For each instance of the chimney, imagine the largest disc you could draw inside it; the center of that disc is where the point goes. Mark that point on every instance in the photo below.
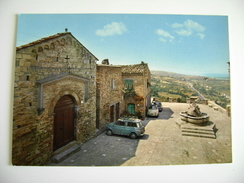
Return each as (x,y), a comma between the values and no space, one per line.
(105,62)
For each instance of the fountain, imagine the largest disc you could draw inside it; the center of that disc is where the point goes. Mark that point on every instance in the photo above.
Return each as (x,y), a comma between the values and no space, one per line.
(195,123)
(194,115)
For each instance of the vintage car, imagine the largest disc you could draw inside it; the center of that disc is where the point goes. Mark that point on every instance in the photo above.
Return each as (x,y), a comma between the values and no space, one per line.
(131,127)
(159,104)
(153,111)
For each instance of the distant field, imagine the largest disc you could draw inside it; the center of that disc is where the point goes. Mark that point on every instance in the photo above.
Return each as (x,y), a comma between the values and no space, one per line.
(165,94)
(167,85)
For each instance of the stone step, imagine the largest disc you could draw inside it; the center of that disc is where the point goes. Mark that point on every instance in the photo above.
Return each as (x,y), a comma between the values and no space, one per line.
(198,131)
(199,135)
(197,128)
(66,153)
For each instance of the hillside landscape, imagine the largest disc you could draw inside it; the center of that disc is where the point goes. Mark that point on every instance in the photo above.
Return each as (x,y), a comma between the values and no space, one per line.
(178,87)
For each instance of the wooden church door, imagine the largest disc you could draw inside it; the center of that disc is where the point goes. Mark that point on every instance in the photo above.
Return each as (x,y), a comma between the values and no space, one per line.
(64,122)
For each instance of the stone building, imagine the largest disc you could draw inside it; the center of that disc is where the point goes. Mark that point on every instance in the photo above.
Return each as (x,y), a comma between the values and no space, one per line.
(110,85)
(54,97)
(122,90)
(137,88)
(62,97)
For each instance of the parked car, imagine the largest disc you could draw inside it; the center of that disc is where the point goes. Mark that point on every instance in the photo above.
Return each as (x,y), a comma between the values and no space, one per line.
(131,127)
(159,104)
(153,111)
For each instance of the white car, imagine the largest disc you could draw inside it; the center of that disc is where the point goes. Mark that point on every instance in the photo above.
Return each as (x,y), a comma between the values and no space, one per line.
(153,111)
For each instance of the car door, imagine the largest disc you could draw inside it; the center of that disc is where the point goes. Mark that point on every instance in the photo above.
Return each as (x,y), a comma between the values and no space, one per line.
(119,128)
(129,128)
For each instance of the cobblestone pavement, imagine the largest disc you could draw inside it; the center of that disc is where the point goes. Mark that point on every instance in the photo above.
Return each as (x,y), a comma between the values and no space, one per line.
(162,144)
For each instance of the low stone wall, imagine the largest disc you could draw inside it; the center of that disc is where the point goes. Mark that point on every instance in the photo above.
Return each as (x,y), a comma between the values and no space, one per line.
(216,107)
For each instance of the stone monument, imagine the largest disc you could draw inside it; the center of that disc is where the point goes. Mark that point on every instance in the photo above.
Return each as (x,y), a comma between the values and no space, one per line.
(196,123)
(194,114)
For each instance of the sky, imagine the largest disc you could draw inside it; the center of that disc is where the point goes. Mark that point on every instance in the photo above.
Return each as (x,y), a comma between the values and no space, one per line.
(186,44)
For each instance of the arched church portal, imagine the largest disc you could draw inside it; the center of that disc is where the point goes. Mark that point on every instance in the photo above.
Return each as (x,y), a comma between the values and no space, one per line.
(64,121)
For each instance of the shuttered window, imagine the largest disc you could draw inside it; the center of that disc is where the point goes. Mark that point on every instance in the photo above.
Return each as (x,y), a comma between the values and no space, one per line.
(129,84)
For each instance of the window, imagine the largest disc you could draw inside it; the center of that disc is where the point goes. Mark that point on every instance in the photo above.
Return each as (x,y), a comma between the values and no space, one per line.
(129,84)
(148,84)
(57,58)
(112,84)
(121,123)
(139,125)
(131,124)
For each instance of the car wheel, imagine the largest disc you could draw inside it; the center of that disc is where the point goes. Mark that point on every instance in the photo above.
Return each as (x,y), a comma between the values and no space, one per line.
(133,136)
(109,132)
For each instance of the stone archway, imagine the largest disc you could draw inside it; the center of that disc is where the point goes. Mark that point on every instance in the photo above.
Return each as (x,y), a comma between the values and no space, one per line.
(64,121)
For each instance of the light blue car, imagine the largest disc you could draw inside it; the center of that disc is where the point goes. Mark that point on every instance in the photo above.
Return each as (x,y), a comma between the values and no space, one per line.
(127,126)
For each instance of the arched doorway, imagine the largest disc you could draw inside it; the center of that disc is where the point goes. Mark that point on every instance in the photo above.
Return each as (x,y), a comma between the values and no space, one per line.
(64,117)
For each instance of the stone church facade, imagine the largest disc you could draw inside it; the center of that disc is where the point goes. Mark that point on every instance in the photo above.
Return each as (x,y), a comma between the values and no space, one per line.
(62,96)
(54,97)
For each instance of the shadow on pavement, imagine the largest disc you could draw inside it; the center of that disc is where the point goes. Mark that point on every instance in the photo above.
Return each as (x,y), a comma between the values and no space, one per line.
(166,113)
(103,150)
(106,150)
(144,137)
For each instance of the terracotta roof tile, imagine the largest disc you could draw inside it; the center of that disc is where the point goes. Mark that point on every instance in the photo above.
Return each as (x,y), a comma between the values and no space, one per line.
(137,68)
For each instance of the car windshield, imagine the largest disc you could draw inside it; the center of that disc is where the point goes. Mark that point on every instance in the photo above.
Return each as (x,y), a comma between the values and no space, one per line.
(158,104)
(139,124)
(154,107)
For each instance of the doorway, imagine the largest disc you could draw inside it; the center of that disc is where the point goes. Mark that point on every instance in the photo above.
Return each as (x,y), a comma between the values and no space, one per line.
(131,108)
(112,113)
(64,118)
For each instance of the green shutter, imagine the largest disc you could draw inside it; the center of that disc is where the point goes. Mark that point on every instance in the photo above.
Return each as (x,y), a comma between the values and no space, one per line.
(129,84)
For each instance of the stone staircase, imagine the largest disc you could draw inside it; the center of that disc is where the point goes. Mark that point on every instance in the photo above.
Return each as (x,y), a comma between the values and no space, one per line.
(207,130)
(64,152)
(198,132)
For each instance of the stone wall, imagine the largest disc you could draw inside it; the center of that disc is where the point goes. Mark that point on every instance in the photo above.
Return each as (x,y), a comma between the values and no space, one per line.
(141,76)
(109,93)
(45,71)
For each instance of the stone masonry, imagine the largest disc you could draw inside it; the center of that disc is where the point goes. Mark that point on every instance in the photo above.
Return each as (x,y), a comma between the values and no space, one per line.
(45,71)
(140,96)
(61,96)
(113,98)
(109,94)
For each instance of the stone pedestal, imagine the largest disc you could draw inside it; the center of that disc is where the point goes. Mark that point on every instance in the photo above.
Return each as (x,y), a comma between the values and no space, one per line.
(205,130)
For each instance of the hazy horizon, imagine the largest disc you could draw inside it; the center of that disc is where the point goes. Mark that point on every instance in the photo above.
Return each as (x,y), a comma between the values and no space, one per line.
(211,75)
